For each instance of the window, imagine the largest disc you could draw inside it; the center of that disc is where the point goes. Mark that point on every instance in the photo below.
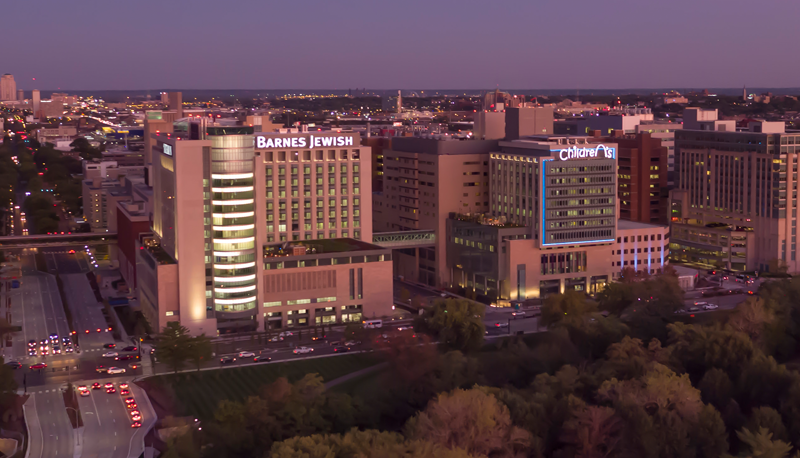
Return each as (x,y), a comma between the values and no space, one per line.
(298,301)
(272,304)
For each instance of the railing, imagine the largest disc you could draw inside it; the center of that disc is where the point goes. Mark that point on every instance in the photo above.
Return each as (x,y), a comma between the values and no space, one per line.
(404,239)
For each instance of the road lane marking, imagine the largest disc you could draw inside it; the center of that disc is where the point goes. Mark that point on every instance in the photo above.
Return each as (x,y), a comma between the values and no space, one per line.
(99,423)
(41,431)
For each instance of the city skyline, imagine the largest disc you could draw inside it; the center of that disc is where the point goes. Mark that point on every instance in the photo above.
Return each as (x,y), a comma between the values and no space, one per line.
(420,45)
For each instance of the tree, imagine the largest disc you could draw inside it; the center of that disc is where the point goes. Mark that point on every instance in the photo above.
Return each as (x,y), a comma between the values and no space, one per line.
(173,345)
(570,309)
(751,317)
(458,323)
(716,388)
(363,444)
(199,350)
(592,431)
(769,418)
(699,348)
(762,445)
(472,420)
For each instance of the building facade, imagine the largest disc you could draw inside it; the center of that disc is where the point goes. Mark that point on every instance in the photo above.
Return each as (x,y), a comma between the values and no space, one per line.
(643,186)
(8,88)
(258,227)
(735,202)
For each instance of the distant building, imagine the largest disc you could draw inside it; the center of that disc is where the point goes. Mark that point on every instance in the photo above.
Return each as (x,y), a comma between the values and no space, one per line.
(55,134)
(20,95)
(36,100)
(8,88)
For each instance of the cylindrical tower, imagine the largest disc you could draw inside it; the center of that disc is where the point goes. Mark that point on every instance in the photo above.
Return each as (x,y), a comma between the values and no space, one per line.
(233,222)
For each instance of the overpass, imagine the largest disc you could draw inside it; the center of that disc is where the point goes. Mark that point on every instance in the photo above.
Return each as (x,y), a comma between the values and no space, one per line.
(404,239)
(44,240)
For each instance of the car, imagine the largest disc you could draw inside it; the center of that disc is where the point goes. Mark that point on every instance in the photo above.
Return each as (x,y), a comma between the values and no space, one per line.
(56,350)
(300,350)
(131,406)
(694,309)
(84,393)
(54,338)
(43,342)
(136,424)
(111,345)
(134,365)
(351,343)
(246,354)
(110,354)
(341,349)
(124,392)
(71,251)
(130,348)
(66,340)
(37,366)
(44,351)
(125,357)
(136,417)
(261,359)
(14,364)
(276,339)
(108,385)
(316,338)
(130,401)
(701,303)
(95,386)
(82,388)
(227,360)
(123,386)
(100,369)
(286,334)
(679,311)
(501,324)
(710,307)
(116,370)
(134,412)
(32,352)
(518,314)
(69,349)
(403,328)
(31,344)
(111,390)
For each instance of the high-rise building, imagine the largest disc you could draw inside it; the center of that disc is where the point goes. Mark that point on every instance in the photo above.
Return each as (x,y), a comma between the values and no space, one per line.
(424,180)
(20,95)
(552,226)
(255,230)
(735,201)
(176,103)
(36,102)
(643,178)
(8,88)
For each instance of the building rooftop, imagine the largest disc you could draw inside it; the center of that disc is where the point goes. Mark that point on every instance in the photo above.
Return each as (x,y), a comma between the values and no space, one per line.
(485,220)
(322,246)
(625,224)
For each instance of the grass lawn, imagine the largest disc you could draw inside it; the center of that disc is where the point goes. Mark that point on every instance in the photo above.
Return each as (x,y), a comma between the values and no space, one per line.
(199,393)
(366,387)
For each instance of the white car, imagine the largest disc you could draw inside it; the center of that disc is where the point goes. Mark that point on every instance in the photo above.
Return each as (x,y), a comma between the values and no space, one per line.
(710,307)
(350,343)
(299,350)
(111,354)
(276,339)
(116,370)
(246,354)
(285,334)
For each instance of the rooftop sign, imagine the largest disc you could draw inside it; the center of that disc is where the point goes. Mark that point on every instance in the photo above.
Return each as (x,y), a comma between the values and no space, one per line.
(575,152)
(306,141)
(167,149)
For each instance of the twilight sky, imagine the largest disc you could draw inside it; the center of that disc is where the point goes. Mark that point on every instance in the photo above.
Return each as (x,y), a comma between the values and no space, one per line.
(409,44)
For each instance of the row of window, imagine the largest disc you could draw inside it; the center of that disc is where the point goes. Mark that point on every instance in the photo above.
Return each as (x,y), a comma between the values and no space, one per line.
(326,262)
